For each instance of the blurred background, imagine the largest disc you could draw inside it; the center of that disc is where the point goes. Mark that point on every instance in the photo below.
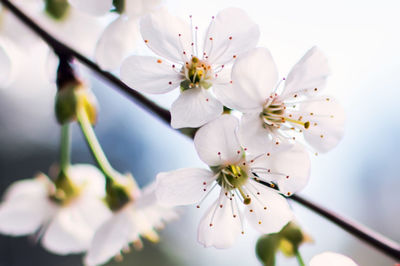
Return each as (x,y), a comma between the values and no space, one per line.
(358,179)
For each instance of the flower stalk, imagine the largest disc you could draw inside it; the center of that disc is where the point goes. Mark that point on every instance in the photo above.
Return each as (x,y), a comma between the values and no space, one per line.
(299,258)
(380,242)
(92,141)
(65,150)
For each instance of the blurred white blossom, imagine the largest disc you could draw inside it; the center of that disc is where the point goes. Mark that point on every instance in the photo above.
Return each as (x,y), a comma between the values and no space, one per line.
(331,259)
(137,218)
(64,226)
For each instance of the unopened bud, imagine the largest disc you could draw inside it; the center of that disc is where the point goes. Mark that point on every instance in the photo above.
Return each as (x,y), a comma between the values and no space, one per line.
(71,98)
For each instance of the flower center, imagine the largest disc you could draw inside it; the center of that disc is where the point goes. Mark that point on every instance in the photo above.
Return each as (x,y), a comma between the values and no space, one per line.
(274,114)
(197,73)
(233,177)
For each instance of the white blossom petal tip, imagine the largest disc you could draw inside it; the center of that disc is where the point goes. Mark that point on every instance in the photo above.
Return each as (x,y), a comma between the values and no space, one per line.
(194,108)
(331,259)
(183,186)
(149,74)
(217,143)
(93,7)
(116,42)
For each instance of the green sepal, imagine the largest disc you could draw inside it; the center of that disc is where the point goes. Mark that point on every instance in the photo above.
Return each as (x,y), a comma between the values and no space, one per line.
(119,6)
(117,196)
(292,237)
(186,84)
(57,9)
(227,110)
(72,97)
(65,189)
(266,249)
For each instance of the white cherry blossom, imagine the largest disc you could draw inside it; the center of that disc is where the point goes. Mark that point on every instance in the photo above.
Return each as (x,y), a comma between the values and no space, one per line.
(32,206)
(331,259)
(183,62)
(250,186)
(137,218)
(274,116)
(121,35)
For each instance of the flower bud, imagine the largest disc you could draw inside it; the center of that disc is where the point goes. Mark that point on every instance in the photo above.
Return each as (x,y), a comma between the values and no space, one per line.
(70,98)
(57,9)
(288,241)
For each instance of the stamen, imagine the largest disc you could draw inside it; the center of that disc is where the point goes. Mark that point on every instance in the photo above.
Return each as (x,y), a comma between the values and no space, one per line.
(246,198)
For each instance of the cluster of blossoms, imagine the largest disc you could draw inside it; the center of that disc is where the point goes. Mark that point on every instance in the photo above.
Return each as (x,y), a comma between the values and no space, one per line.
(73,214)
(256,160)
(257,154)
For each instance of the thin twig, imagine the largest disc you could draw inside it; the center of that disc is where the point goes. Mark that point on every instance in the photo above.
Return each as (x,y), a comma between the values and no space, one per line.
(380,242)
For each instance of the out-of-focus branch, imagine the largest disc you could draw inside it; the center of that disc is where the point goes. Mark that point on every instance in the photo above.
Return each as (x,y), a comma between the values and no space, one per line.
(380,242)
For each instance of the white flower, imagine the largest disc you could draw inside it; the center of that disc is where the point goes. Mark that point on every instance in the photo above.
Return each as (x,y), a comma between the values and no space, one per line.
(137,218)
(249,184)
(65,227)
(121,35)
(331,259)
(274,117)
(230,33)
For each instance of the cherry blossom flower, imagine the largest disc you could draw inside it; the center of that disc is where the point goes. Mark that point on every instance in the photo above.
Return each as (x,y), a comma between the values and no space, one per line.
(331,259)
(277,116)
(230,33)
(137,218)
(249,184)
(65,219)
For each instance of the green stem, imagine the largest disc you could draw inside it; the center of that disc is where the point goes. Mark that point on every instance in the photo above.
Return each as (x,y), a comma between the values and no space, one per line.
(65,149)
(299,258)
(94,144)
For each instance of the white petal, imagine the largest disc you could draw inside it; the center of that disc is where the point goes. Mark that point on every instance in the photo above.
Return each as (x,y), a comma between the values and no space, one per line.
(216,143)
(116,42)
(89,177)
(218,227)
(160,31)
(72,228)
(139,7)
(195,107)
(111,238)
(26,207)
(149,74)
(289,168)
(268,211)
(253,136)
(254,75)
(35,187)
(10,58)
(93,7)
(232,32)
(309,73)
(326,124)
(183,186)
(155,213)
(331,259)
